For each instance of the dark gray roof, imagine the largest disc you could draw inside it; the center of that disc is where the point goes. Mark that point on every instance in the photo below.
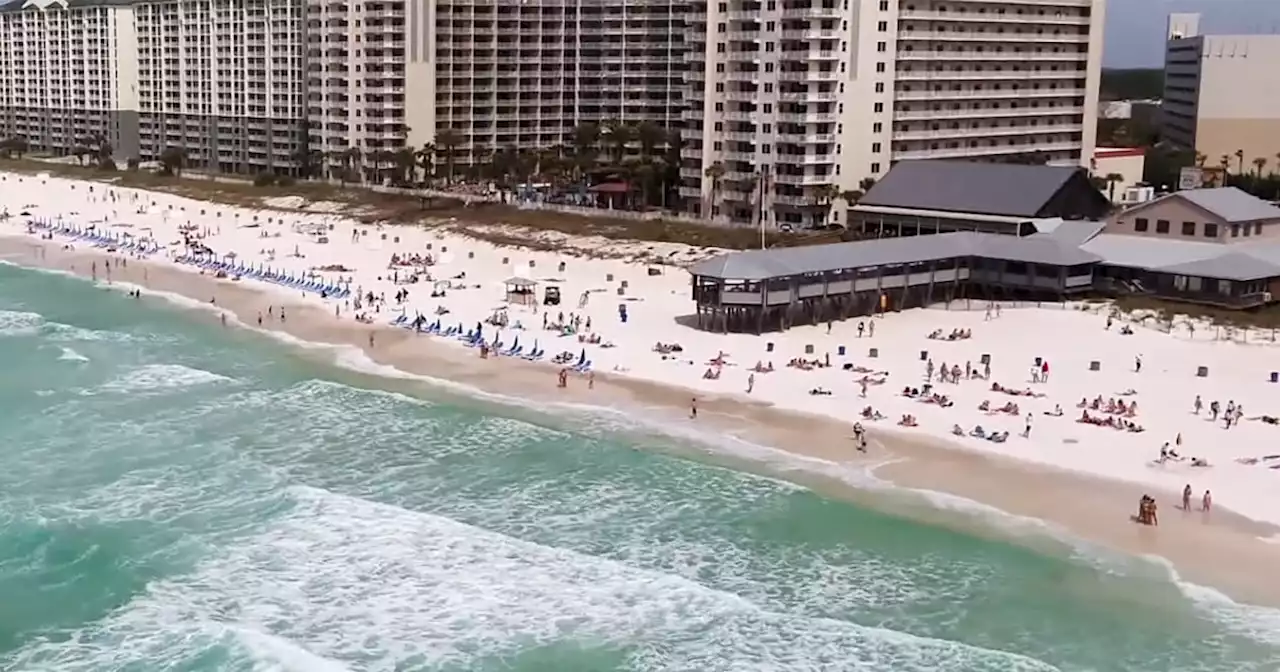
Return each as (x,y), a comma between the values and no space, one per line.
(1007,189)
(785,261)
(1230,204)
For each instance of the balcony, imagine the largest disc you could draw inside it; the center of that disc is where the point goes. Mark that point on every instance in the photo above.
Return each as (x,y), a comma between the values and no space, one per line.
(973,36)
(957,152)
(989,17)
(989,131)
(996,56)
(987,113)
(988,93)
(809,97)
(986,75)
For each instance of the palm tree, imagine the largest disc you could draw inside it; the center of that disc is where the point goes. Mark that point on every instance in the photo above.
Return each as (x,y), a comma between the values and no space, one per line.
(1200,159)
(1240,160)
(866,184)
(715,172)
(426,160)
(355,163)
(1111,179)
(650,136)
(619,134)
(406,163)
(447,143)
(851,196)
(1224,162)
(1258,164)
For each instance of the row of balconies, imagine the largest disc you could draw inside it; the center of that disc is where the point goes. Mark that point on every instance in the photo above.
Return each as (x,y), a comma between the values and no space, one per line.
(976,93)
(987,112)
(990,55)
(985,132)
(923,152)
(913,33)
(995,17)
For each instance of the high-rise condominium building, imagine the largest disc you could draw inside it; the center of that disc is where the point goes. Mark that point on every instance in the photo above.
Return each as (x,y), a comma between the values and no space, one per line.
(1222,95)
(222,80)
(792,101)
(390,73)
(68,74)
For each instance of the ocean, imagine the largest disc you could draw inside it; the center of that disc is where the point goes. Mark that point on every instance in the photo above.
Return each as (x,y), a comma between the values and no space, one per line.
(179,496)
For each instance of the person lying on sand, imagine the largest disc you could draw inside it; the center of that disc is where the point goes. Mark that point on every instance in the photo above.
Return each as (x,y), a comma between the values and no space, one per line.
(1056,412)
(820,392)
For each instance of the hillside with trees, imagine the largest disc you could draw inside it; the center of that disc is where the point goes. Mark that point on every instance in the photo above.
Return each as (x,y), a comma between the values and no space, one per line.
(1131,83)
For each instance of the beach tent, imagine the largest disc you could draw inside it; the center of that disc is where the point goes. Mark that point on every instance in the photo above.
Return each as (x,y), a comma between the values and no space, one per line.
(521,290)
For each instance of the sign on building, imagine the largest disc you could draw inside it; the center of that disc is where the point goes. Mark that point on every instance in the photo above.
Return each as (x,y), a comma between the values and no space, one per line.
(1191,177)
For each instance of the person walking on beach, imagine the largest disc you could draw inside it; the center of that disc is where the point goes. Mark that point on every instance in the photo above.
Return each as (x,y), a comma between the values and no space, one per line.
(1207,502)
(751,382)
(1198,404)
(1026,433)
(1137,364)
(1213,410)
(1186,498)
(871,329)
(861,327)
(1044,371)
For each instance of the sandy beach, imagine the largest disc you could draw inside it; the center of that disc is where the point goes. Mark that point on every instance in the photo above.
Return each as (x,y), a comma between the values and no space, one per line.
(1082,480)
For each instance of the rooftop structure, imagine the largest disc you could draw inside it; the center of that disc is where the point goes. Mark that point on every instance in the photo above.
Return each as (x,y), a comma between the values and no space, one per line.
(1222,95)
(1217,215)
(789,103)
(937,196)
(760,289)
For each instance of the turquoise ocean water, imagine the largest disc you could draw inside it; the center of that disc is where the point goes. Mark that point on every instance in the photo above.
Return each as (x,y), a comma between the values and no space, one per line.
(177,496)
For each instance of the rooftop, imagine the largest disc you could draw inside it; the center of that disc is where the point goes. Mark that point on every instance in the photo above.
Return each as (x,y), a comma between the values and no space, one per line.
(1229,204)
(1069,244)
(786,261)
(1004,189)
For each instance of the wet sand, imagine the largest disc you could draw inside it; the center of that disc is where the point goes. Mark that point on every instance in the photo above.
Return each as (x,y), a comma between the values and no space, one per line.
(1222,549)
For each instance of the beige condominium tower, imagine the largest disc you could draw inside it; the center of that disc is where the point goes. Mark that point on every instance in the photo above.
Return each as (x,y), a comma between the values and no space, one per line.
(792,102)
(1222,95)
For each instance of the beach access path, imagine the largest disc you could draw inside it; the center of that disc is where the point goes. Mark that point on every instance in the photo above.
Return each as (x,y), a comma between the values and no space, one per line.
(1065,474)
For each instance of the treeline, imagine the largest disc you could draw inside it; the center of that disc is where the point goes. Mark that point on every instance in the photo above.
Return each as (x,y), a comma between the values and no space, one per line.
(1131,83)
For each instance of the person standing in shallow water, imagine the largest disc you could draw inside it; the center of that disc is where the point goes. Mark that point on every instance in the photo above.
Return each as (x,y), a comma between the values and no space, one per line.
(693,408)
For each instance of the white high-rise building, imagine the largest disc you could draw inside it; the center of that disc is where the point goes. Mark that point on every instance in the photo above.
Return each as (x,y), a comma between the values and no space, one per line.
(222,80)
(68,72)
(796,101)
(385,74)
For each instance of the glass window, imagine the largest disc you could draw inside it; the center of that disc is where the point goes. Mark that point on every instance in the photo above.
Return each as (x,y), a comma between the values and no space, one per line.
(1162,226)
(1140,224)
(1235,230)
(1257,228)
(1188,228)
(1210,230)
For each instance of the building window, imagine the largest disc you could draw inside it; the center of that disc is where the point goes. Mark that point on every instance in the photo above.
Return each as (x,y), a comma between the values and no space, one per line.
(1140,224)
(1188,228)
(879,87)
(1162,226)
(875,148)
(879,107)
(1257,229)
(1247,230)
(1235,230)
(879,67)
(875,169)
(1210,230)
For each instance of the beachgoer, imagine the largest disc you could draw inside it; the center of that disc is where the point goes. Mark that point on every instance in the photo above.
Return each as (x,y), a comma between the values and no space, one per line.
(751,382)
(1198,404)
(591,380)
(1207,502)
(1026,433)
(1137,364)
(1186,498)
(693,408)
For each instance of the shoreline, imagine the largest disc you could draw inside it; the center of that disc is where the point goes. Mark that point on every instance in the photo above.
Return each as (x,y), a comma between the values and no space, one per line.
(1086,507)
